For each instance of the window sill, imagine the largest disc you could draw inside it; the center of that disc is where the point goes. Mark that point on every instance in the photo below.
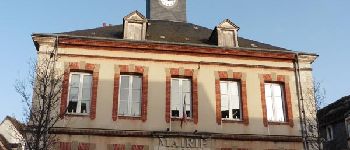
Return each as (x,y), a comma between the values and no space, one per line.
(278,123)
(180,119)
(232,121)
(77,115)
(130,117)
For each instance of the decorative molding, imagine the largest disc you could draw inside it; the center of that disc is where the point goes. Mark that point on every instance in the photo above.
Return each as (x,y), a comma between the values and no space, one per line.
(170,48)
(115,58)
(157,134)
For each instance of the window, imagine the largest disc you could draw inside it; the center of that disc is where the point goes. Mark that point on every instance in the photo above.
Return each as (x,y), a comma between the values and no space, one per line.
(329,131)
(230,100)
(79,96)
(348,127)
(130,95)
(275,105)
(181,98)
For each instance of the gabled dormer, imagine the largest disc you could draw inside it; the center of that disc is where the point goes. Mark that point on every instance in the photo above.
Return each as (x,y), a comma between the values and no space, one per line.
(225,34)
(135,25)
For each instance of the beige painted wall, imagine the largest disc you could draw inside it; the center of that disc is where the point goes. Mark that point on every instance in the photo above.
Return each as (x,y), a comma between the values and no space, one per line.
(156,92)
(153,143)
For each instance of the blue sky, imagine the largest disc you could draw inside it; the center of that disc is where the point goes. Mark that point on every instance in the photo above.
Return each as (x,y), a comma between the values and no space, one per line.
(317,26)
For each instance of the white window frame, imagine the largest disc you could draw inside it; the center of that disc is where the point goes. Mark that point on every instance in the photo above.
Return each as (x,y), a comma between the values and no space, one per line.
(231,97)
(329,132)
(273,100)
(80,92)
(130,96)
(181,95)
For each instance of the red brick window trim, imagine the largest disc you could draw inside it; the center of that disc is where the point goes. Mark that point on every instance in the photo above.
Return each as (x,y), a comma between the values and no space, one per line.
(65,146)
(137,147)
(116,147)
(284,81)
(136,70)
(231,76)
(183,73)
(76,146)
(79,67)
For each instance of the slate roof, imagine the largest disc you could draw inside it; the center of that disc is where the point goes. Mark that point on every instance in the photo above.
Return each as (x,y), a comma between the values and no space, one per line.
(169,31)
(334,112)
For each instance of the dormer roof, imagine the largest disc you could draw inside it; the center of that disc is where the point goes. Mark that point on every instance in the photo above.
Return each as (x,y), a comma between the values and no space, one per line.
(135,16)
(228,24)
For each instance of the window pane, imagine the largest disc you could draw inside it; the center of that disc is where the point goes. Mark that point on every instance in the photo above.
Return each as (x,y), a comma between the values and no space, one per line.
(236,114)
(87,83)
(136,109)
(124,82)
(225,114)
(234,95)
(223,87)
(277,90)
(75,80)
(136,82)
(175,86)
(234,88)
(136,95)
(123,108)
(278,109)
(267,89)
(188,104)
(186,85)
(85,107)
(72,107)
(224,102)
(73,94)
(176,106)
(269,108)
(74,87)
(124,94)
(235,102)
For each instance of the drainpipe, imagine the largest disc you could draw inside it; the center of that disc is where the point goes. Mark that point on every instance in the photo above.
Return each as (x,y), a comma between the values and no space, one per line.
(300,102)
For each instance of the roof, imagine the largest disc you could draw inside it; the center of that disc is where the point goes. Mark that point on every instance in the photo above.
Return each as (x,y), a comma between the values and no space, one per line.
(18,125)
(169,31)
(334,112)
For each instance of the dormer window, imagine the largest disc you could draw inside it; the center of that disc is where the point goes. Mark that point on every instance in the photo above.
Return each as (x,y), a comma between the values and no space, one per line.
(225,34)
(135,26)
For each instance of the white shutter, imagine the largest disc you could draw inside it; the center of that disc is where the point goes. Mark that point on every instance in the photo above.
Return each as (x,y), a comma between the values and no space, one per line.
(175,96)
(274,102)
(278,103)
(136,96)
(269,103)
(234,92)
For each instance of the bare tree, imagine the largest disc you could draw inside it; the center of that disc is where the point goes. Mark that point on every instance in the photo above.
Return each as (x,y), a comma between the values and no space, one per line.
(314,100)
(41,94)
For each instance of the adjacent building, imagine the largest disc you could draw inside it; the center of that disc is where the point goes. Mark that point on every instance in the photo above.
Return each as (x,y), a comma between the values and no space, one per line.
(334,124)
(11,137)
(158,82)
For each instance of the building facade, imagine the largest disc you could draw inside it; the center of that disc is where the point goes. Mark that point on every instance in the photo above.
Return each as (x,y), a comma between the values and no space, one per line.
(335,124)
(158,82)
